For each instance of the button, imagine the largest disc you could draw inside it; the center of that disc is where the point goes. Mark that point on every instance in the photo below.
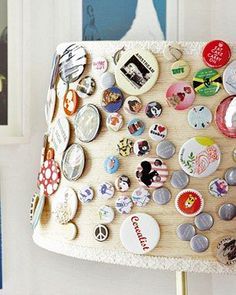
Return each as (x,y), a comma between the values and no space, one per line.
(173,52)
(152,172)
(50,154)
(33,205)
(49,177)
(225,116)
(185,231)
(43,151)
(61,135)
(107,80)
(85,194)
(64,205)
(73,162)
(180,96)
(227,211)
(37,209)
(112,99)
(180,69)
(61,88)
(141,147)
(199,243)
(50,105)
(229,78)
(106,214)
(161,196)
(86,87)
(117,55)
(132,105)
(225,251)
(153,109)
(70,102)
(189,202)
(199,156)
(72,63)
(234,155)
(139,233)
(204,221)
(179,179)
(87,123)
(230,176)
(106,190)
(54,70)
(125,147)
(157,132)
(124,204)
(136,127)
(199,117)
(218,187)
(216,54)
(165,149)
(122,183)
(141,197)
(207,82)
(70,231)
(114,121)
(101,233)
(136,71)
(99,65)
(111,164)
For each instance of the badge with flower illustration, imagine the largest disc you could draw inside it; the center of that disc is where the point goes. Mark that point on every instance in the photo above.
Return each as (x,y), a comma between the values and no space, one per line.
(199,156)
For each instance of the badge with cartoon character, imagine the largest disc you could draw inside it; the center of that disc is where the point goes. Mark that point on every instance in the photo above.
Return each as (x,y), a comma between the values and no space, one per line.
(141,147)
(122,183)
(152,173)
(153,109)
(125,147)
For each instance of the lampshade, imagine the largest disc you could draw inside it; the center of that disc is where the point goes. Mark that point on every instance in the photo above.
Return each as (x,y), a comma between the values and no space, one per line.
(131,152)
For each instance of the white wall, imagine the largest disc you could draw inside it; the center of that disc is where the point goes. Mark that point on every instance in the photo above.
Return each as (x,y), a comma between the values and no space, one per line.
(30,270)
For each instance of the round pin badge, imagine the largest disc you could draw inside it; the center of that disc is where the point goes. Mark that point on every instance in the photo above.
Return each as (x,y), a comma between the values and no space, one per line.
(136,127)
(124,204)
(218,187)
(199,243)
(85,194)
(69,231)
(64,205)
(49,177)
(225,250)
(86,87)
(161,196)
(107,80)
(207,82)
(180,69)
(199,117)
(180,96)
(61,135)
(204,221)
(136,71)
(179,179)
(225,116)
(216,54)
(99,65)
(54,70)
(50,105)
(140,197)
(185,231)
(106,214)
(189,203)
(111,164)
(106,190)
(114,121)
(229,78)
(132,105)
(227,211)
(112,99)
(122,183)
(101,232)
(141,147)
(230,176)
(61,88)
(165,149)
(87,123)
(38,210)
(157,132)
(125,147)
(72,63)
(152,173)
(199,156)
(70,102)
(173,52)
(33,205)
(73,162)
(139,233)
(153,109)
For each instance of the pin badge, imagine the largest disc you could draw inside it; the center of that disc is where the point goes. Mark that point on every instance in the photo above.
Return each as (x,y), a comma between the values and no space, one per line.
(111,164)
(141,147)
(70,102)
(85,194)
(122,183)
(153,109)
(125,147)
(157,132)
(136,127)
(99,65)
(218,187)
(114,121)
(133,105)
(141,197)
(124,204)
(61,135)
(106,190)
(199,117)
(86,87)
